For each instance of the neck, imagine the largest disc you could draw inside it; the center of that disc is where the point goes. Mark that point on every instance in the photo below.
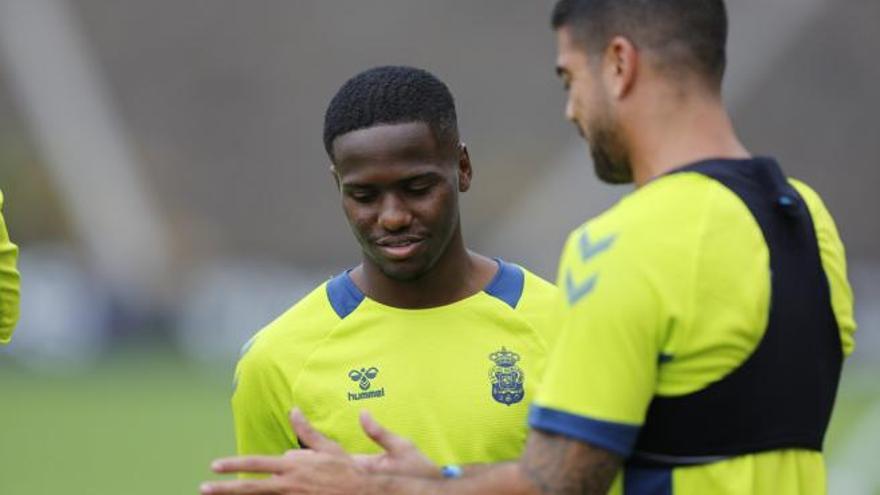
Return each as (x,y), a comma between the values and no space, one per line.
(456,275)
(688,129)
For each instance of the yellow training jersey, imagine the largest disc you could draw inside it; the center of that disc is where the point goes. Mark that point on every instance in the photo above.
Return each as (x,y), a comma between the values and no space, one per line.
(9,282)
(455,379)
(668,292)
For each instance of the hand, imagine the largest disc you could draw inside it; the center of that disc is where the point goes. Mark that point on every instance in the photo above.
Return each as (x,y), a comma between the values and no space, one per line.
(324,468)
(401,456)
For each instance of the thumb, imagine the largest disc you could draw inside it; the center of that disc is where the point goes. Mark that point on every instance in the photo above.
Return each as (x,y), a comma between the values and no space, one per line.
(309,436)
(382,436)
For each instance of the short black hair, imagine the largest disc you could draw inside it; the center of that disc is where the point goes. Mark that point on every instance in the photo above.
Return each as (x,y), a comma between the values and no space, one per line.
(687,34)
(392,94)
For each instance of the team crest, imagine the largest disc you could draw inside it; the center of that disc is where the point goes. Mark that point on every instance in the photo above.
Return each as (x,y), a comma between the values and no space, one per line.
(506,377)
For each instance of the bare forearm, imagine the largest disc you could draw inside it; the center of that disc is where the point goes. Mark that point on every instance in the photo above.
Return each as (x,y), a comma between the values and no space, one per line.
(556,465)
(551,465)
(483,479)
(471,470)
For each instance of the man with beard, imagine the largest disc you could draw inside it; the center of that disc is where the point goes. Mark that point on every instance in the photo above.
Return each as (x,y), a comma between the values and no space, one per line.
(684,366)
(411,332)
(9,282)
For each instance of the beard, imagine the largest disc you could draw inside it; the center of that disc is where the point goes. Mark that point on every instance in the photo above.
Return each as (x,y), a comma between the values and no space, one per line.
(609,153)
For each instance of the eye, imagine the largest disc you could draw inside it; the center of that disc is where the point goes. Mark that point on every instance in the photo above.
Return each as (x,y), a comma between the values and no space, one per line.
(362,195)
(418,189)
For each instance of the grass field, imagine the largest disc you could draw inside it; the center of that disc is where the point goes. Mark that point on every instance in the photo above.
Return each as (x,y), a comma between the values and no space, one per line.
(150,423)
(140,424)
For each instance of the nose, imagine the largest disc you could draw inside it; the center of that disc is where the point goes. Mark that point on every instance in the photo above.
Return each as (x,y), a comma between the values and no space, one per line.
(394,216)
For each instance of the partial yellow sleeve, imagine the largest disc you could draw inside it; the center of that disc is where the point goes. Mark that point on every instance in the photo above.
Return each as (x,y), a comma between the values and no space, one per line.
(833,257)
(9,282)
(260,407)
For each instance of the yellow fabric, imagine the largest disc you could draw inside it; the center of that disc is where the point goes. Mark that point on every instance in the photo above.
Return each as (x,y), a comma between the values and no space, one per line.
(783,472)
(9,282)
(432,369)
(679,298)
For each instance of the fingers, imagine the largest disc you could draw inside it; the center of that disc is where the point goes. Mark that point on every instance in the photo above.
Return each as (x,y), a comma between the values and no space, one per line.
(368,462)
(382,436)
(248,464)
(240,487)
(310,436)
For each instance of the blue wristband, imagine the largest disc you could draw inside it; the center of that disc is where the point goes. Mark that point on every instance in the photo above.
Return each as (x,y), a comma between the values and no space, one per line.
(451,471)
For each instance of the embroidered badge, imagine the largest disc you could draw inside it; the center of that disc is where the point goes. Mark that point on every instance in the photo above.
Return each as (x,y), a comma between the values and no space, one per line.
(506,377)
(364,377)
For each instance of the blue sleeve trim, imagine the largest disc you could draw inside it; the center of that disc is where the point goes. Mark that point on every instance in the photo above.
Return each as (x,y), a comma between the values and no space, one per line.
(344,296)
(615,437)
(507,284)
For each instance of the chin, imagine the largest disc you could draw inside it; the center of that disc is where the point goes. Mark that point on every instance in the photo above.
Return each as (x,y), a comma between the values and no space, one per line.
(403,271)
(614,177)
(610,171)
(408,269)
(402,275)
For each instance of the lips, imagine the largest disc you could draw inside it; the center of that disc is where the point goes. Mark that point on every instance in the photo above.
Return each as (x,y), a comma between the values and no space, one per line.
(399,248)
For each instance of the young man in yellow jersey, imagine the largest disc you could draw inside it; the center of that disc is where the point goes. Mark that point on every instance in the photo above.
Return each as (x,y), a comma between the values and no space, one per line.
(445,344)
(709,310)
(9,282)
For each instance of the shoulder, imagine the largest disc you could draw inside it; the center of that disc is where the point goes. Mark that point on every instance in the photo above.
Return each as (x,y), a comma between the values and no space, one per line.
(536,290)
(823,223)
(649,250)
(668,205)
(833,255)
(821,217)
(655,225)
(826,231)
(808,193)
(516,296)
(539,305)
(519,288)
(291,336)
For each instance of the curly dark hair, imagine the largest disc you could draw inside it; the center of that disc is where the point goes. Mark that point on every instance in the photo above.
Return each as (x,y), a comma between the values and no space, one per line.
(392,95)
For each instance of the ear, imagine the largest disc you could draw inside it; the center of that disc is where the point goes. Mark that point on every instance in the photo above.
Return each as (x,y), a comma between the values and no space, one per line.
(335,175)
(465,172)
(620,66)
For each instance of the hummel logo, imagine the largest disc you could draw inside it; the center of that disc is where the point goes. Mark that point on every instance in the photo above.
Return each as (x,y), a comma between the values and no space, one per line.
(363,378)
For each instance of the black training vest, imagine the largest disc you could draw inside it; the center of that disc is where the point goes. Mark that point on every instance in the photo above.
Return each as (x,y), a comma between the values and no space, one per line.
(781,396)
